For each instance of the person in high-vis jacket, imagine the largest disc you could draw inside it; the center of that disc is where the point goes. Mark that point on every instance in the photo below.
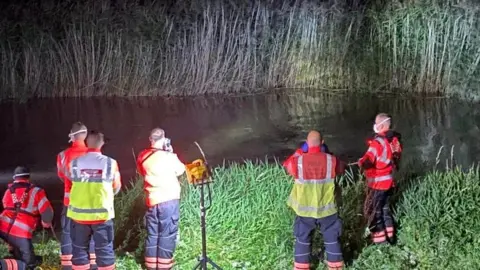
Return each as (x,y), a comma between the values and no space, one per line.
(24,204)
(95,181)
(379,163)
(160,168)
(304,149)
(313,200)
(77,136)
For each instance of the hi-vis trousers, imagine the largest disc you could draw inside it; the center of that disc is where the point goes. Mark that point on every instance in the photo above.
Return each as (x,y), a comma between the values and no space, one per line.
(102,235)
(303,229)
(66,244)
(381,225)
(161,221)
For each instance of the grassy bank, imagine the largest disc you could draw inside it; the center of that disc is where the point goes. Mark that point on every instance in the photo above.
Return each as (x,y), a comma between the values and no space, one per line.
(250,226)
(197,47)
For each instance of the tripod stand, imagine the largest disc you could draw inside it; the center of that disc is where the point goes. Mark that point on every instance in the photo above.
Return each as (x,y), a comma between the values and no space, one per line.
(203,260)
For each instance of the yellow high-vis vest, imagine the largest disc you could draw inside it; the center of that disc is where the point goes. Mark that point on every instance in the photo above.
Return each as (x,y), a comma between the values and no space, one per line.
(92,194)
(313,194)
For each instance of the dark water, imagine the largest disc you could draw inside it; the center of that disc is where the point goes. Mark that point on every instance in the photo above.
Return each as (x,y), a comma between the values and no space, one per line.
(232,128)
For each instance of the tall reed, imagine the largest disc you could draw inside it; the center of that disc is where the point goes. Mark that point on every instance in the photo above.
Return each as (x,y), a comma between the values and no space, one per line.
(197,47)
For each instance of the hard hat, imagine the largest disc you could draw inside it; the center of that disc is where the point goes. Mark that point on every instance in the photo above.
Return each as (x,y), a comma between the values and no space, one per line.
(21,171)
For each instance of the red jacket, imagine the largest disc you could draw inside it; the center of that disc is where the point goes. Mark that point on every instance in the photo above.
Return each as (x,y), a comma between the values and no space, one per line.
(291,163)
(64,158)
(35,205)
(379,163)
(290,160)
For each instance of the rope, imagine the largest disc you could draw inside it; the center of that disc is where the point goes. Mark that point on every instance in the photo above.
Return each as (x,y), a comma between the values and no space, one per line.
(53,233)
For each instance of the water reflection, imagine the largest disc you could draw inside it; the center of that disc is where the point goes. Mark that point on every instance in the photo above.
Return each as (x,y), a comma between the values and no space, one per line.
(233,128)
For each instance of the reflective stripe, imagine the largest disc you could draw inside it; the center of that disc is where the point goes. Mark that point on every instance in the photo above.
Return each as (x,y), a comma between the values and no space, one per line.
(300,266)
(31,208)
(328,177)
(17,223)
(300,168)
(66,195)
(335,264)
(42,202)
(74,169)
(372,150)
(384,157)
(380,178)
(304,208)
(107,177)
(62,159)
(86,210)
(62,167)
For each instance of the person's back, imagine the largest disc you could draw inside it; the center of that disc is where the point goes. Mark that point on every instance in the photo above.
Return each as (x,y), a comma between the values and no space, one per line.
(95,181)
(77,148)
(77,135)
(35,205)
(313,200)
(313,192)
(24,204)
(160,168)
(379,163)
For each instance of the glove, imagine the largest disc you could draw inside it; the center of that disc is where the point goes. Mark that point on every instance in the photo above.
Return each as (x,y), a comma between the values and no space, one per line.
(365,164)
(46,225)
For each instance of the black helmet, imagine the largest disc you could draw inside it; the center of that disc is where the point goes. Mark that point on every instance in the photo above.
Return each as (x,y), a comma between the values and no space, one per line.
(21,172)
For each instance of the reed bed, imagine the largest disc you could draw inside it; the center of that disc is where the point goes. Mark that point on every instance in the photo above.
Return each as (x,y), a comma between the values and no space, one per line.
(200,47)
(249,225)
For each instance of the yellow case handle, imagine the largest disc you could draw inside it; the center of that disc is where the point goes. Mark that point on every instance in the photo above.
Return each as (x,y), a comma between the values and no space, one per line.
(196,171)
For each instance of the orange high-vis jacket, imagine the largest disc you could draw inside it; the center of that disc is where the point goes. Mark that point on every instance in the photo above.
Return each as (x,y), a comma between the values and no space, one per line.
(36,205)
(160,170)
(64,158)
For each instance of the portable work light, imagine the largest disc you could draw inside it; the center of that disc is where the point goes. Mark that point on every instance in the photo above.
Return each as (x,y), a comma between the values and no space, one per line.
(199,175)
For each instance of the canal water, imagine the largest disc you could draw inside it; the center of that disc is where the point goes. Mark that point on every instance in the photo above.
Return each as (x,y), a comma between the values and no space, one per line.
(265,126)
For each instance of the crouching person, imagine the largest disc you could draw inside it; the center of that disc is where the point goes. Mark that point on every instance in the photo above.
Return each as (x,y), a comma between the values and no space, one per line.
(24,204)
(160,168)
(95,182)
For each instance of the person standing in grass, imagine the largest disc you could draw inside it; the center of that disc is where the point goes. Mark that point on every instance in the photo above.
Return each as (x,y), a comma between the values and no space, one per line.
(313,200)
(77,136)
(379,163)
(160,169)
(95,182)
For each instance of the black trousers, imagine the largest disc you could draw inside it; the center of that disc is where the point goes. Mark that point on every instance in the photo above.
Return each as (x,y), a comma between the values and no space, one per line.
(381,223)
(21,249)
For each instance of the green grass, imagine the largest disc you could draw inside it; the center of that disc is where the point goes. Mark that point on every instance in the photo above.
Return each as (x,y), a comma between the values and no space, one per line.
(198,47)
(250,226)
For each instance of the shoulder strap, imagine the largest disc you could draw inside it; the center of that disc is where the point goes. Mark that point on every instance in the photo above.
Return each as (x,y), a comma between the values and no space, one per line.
(154,150)
(19,202)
